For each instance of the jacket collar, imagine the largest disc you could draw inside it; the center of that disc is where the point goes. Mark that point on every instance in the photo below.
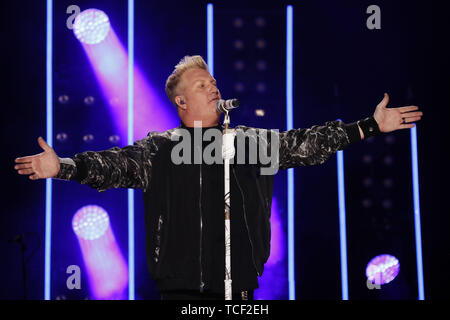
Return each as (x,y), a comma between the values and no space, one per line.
(217,126)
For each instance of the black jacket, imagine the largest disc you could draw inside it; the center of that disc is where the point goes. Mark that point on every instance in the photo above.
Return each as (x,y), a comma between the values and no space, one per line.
(174,199)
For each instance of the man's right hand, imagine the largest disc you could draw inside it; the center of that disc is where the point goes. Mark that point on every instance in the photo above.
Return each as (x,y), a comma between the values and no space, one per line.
(40,166)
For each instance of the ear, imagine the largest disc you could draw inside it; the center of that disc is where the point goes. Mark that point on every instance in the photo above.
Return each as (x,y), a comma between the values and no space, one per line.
(179,100)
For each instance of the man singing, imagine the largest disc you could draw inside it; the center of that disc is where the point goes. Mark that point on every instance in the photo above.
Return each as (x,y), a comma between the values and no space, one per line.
(184,202)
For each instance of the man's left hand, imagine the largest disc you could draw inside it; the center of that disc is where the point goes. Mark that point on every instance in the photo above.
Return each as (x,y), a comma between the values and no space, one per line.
(390,119)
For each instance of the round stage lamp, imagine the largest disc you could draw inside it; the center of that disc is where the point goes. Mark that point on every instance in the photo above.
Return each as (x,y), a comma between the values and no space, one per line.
(382,269)
(90,222)
(91,26)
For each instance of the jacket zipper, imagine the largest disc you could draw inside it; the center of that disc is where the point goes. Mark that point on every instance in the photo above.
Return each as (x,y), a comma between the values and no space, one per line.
(245,220)
(202,284)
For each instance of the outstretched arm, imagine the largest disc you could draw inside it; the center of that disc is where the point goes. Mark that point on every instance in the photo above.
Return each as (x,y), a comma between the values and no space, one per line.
(300,147)
(127,167)
(391,119)
(39,166)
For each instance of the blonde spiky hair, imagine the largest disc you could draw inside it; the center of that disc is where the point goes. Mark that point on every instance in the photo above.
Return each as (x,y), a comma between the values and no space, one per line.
(188,62)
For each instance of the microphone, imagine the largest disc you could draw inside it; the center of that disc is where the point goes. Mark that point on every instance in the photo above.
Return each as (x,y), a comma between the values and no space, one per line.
(226,105)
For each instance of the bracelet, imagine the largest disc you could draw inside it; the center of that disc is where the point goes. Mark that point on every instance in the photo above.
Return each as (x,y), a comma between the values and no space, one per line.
(369,127)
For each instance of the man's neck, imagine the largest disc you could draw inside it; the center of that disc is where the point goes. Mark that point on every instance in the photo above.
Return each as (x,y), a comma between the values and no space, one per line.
(199,123)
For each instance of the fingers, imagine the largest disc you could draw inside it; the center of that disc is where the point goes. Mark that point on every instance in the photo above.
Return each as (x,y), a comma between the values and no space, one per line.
(385,101)
(26,171)
(411,119)
(23,166)
(43,144)
(26,159)
(26,168)
(412,114)
(408,109)
(407,126)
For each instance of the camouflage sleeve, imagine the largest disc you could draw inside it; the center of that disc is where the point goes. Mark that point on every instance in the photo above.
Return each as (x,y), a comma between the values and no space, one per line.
(127,167)
(303,147)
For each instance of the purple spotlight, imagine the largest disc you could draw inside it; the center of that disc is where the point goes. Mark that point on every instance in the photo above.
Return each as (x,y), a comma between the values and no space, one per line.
(105,265)
(273,284)
(382,269)
(90,222)
(109,60)
(91,26)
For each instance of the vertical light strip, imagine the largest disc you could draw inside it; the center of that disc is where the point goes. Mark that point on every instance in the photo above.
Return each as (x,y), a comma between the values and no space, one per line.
(210,37)
(289,126)
(418,234)
(49,139)
(342,224)
(131,287)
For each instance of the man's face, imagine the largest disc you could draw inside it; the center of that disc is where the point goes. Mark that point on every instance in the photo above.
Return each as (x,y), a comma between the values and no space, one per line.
(200,94)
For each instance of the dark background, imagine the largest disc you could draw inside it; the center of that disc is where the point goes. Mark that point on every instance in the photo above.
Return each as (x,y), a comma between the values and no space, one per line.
(341,70)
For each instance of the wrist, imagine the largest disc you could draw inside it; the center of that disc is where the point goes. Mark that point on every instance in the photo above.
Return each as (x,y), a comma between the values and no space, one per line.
(361,133)
(368,127)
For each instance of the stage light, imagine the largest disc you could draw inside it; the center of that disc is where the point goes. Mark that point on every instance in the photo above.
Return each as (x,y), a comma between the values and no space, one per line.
(61,137)
(382,269)
(89,100)
(104,262)
(63,99)
(49,132)
(289,126)
(238,23)
(273,281)
(239,87)
(367,203)
(261,87)
(239,65)
(388,183)
(261,65)
(116,74)
(388,160)
(261,43)
(367,158)
(389,139)
(114,102)
(210,37)
(260,112)
(91,26)
(90,222)
(114,139)
(88,138)
(238,44)
(387,203)
(260,22)
(367,182)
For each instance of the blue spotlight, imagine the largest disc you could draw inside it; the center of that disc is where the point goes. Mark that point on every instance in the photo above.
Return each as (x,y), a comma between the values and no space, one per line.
(417,228)
(342,224)
(289,126)
(49,138)
(210,37)
(131,275)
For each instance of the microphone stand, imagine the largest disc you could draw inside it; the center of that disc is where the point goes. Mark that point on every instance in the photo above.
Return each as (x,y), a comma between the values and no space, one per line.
(20,240)
(227,154)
